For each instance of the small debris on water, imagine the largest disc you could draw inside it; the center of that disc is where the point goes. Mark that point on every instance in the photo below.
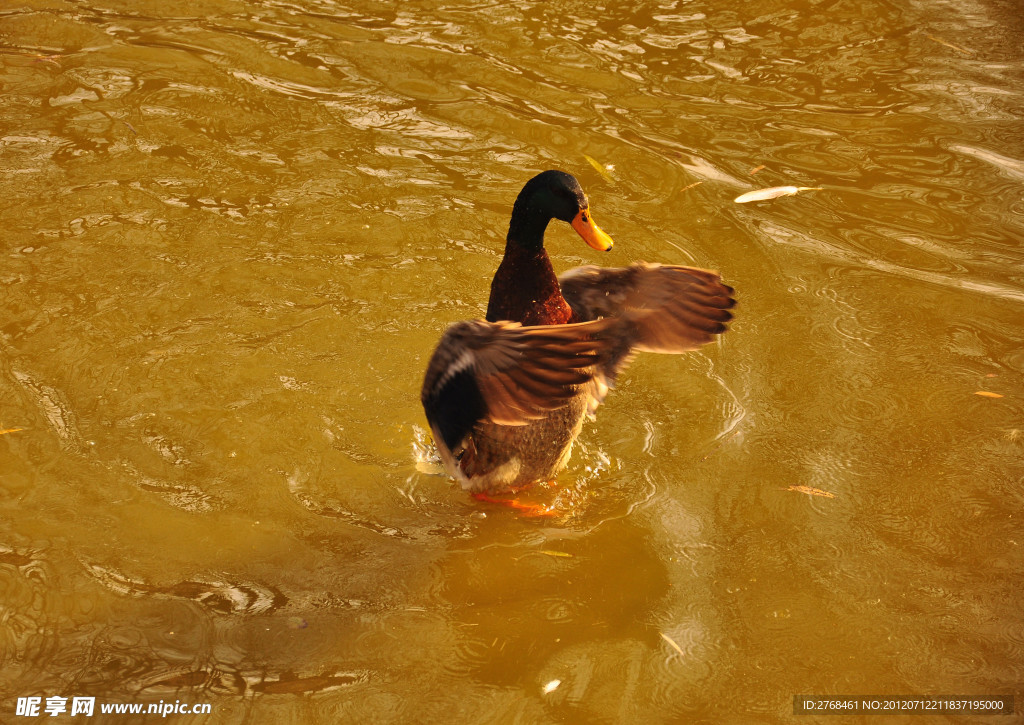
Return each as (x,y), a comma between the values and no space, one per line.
(773,192)
(599,167)
(958,48)
(811,491)
(672,642)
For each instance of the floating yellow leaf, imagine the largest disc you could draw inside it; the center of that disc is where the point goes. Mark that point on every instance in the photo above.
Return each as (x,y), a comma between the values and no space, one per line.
(10,430)
(672,642)
(811,491)
(549,552)
(599,167)
(690,186)
(756,169)
(773,192)
(987,394)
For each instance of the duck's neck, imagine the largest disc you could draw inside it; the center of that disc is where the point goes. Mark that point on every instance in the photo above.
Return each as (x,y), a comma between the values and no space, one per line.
(525,289)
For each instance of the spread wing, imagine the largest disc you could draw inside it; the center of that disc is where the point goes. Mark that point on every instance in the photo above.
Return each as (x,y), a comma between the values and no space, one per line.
(663,308)
(506,373)
(675,308)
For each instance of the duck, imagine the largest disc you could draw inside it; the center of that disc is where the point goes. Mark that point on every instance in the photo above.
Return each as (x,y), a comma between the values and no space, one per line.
(506,396)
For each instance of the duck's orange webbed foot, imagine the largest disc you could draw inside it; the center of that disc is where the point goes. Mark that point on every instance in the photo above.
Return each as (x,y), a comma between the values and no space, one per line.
(524,507)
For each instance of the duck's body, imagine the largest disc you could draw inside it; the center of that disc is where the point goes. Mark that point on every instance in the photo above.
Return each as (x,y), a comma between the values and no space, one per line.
(506,397)
(506,457)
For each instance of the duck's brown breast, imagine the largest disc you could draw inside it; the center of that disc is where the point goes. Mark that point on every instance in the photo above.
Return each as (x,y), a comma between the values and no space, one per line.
(525,289)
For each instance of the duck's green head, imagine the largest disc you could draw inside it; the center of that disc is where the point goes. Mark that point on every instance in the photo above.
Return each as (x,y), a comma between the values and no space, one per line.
(554,195)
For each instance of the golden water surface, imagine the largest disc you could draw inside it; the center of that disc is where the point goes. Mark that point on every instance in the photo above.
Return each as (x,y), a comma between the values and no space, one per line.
(233,231)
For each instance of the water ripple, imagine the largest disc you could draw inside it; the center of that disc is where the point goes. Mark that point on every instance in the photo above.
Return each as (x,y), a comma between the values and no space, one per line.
(798,239)
(219,596)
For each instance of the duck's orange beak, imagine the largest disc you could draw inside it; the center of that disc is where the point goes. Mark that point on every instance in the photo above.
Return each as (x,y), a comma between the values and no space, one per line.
(591,233)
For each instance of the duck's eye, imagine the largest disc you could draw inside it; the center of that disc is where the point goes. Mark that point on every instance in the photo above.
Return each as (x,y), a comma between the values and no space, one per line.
(584,217)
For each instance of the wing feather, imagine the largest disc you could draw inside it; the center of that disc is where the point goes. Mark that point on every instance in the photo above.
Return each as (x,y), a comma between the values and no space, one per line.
(663,308)
(506,373)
